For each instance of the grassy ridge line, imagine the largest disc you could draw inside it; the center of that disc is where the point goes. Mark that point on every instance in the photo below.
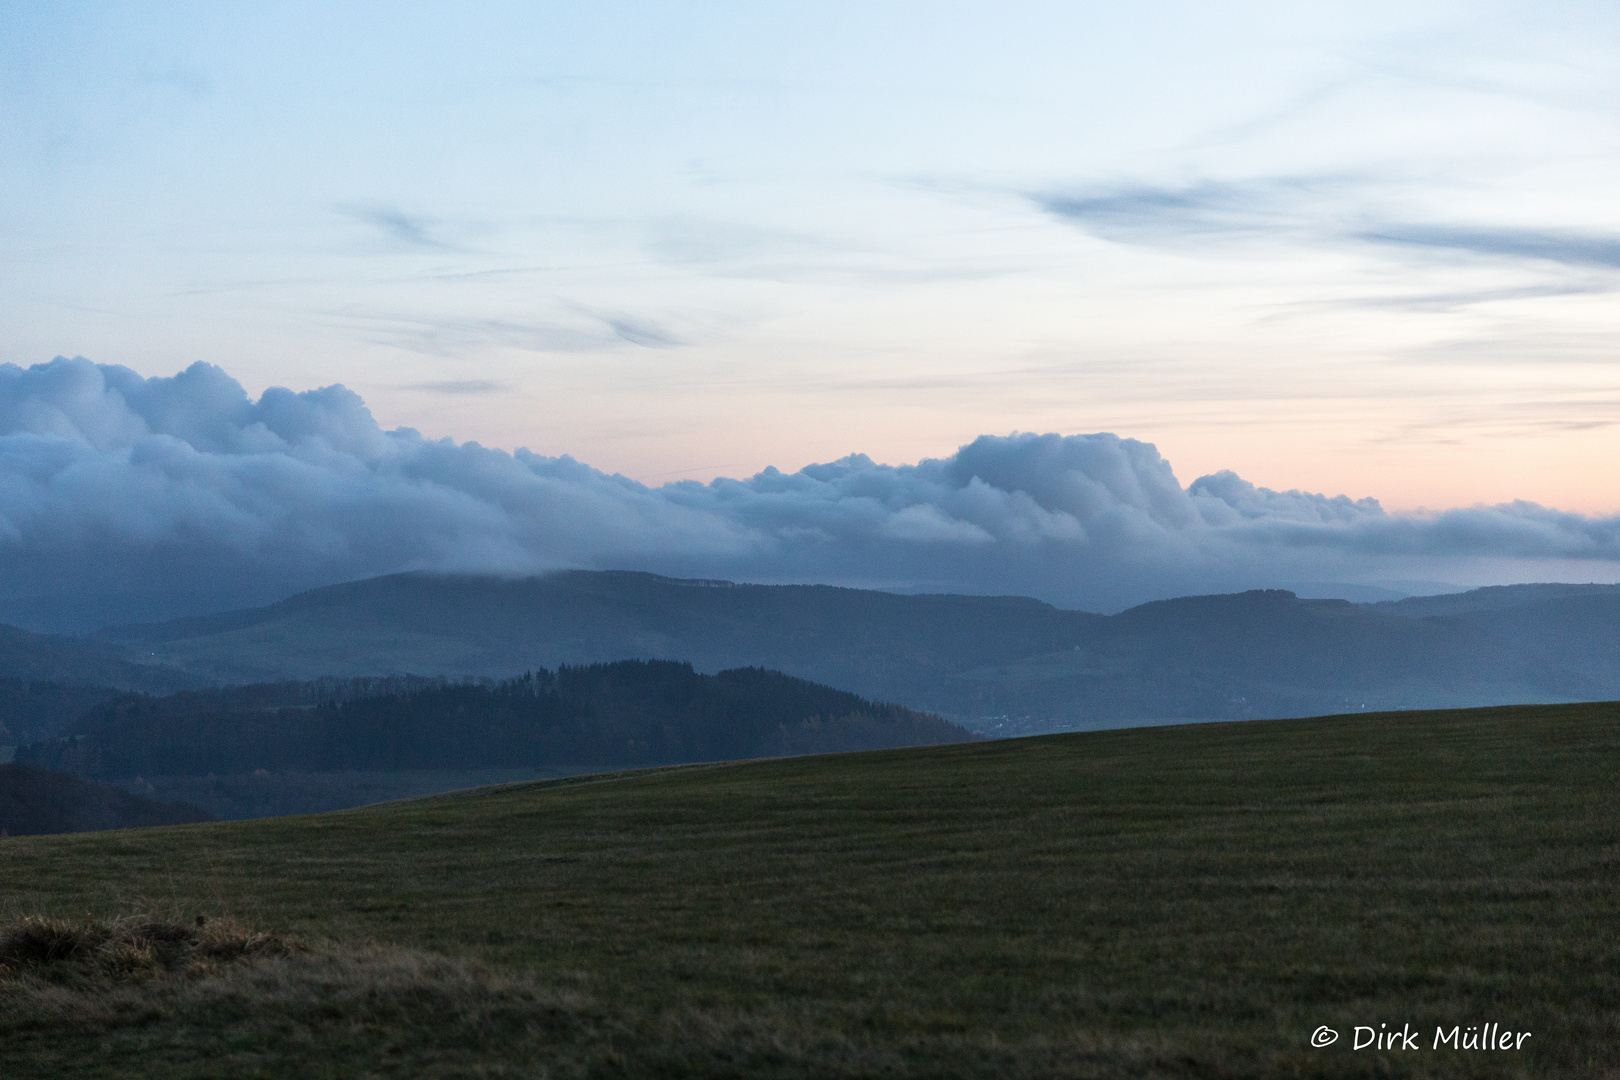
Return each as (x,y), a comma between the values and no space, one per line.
(1198,899)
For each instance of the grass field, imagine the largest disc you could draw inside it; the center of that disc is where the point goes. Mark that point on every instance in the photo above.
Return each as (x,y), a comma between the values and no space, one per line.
(1166,902)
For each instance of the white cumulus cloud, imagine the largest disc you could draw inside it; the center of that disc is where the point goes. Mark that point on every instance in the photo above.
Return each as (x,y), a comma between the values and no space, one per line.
(123,497)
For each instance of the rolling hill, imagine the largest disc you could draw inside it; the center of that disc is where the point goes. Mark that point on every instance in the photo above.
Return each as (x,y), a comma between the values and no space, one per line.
(277,745)
(624,714)
(1174,903)
(46,681)
(27,657)
(36,801)
(998,664)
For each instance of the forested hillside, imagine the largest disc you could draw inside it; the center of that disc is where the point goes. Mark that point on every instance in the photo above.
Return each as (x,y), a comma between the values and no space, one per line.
(999,665)
(31,710)
(35,801)
(29,657)
(615,715)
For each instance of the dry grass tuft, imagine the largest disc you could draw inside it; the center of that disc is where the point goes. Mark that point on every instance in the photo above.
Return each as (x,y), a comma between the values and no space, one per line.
(68,951)
(339,1010)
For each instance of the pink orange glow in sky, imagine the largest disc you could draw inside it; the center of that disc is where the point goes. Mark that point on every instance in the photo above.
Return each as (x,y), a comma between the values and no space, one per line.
(1368,249)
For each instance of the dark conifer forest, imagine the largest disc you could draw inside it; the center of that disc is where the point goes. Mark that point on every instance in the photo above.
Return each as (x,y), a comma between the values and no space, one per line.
(614,715)
(35,801)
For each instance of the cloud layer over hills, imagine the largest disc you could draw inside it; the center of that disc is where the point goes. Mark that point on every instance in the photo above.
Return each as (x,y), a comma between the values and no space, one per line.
(124,498)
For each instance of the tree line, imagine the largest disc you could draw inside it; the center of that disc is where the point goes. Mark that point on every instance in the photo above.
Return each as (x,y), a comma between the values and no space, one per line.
(624,714)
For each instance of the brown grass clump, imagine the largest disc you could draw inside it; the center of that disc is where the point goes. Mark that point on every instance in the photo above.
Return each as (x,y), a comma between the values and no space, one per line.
(335,1010)
(66,951)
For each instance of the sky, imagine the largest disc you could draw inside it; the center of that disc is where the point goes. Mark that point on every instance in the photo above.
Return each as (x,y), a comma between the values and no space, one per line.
(1368,251)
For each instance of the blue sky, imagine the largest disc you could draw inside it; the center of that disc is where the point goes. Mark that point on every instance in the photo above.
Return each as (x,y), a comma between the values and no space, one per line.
(1363,249)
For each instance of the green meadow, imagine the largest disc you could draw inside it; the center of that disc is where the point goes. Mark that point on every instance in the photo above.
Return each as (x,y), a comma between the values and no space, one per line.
(1164,902)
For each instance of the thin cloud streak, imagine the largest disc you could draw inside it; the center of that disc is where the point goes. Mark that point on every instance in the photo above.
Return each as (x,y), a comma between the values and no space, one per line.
(1456,300)
(458,387)
(1157,215)
(404,229)
(1318,208)
(456,337)
(1568,248)
(645,334)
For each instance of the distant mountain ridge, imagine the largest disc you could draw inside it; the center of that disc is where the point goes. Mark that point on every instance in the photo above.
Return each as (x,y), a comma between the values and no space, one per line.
(1006,664)
(1491,598)
(29,657)
(487,626)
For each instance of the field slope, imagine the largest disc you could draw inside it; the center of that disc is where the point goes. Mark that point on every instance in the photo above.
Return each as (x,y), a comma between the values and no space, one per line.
(1177,902)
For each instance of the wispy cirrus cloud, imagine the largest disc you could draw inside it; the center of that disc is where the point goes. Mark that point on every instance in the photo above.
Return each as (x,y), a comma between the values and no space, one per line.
(1567,247)
(748,252)
(1207,210)
(453,336)
(643,332)
(1450,301)
(572,329)
(405,230)
(459,387)
(1336,209)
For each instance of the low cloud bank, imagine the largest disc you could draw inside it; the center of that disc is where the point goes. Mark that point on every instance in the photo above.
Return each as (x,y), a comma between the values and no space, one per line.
(125,498)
